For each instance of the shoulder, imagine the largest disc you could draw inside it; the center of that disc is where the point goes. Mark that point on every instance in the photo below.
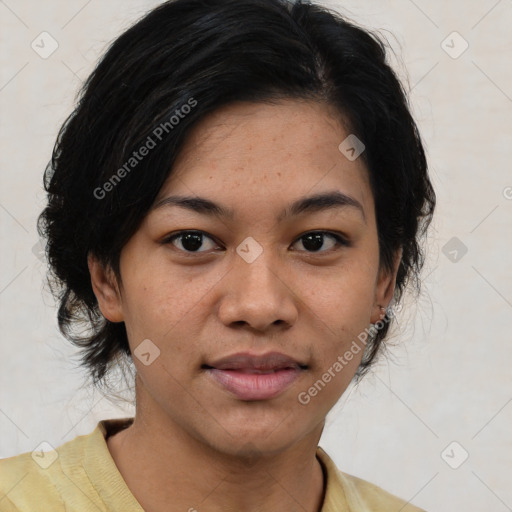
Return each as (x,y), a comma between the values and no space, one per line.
(18,475)
(31,480)
(373,497)
(45,478)
(356,494)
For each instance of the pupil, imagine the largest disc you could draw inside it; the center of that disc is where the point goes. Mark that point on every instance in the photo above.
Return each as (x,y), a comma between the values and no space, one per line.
(313,241)
(192,241)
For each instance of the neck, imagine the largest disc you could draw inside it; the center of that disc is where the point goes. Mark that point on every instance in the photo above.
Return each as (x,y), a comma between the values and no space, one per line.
(167,469)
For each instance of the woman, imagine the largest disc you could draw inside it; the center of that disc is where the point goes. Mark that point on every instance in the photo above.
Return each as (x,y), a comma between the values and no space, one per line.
(236,204)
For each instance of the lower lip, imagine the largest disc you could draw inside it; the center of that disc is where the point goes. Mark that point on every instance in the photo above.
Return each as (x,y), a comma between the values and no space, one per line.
(255,386)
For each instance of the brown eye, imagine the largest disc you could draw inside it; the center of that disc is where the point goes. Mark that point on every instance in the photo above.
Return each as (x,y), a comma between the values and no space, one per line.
(190,241)
(316,240)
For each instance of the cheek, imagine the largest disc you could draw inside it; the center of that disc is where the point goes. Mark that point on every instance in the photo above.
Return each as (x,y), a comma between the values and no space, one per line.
(157,297)
(340,306)
(168,308)
(344,297)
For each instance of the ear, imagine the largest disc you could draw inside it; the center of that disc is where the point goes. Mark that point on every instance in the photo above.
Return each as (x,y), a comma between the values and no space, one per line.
(385,288)
(104,285)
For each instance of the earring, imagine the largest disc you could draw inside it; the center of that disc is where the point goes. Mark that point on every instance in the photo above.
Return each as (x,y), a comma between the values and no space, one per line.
(383,312)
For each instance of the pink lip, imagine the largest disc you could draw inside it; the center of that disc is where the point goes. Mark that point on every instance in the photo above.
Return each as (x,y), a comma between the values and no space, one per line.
(252,377)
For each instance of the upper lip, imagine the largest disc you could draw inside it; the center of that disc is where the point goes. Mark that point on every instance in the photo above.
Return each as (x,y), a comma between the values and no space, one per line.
(264,362)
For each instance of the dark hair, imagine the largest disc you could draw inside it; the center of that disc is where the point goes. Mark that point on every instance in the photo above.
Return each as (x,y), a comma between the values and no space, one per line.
(183,60)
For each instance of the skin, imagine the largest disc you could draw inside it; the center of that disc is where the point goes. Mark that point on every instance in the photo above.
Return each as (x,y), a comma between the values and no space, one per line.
(192,443)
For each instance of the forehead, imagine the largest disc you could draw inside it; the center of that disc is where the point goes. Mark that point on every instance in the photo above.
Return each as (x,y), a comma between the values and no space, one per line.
(291,128)
(267,152)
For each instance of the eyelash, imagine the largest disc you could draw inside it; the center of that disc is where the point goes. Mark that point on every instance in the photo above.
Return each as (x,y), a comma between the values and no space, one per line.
(340,240)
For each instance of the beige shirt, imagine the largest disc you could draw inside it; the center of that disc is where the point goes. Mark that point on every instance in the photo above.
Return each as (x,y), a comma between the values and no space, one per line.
(83,477)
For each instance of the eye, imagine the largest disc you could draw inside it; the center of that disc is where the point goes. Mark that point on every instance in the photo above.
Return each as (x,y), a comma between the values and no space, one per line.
(190,241)
(314,241)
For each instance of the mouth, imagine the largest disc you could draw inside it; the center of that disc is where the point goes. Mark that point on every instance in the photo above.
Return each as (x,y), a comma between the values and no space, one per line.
(250,377)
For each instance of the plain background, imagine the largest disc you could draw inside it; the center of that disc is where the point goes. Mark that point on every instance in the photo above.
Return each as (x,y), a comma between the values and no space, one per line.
(448,378)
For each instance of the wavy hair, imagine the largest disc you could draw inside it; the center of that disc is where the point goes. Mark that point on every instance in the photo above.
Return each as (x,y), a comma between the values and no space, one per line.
(217,52)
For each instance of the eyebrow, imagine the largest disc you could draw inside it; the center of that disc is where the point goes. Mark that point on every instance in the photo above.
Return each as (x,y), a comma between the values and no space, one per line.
(309,204)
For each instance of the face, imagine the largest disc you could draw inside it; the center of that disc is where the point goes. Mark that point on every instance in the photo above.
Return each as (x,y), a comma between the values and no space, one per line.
(255,270)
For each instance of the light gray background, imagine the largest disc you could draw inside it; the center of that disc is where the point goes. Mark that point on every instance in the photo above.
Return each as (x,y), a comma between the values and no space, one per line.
(447,379)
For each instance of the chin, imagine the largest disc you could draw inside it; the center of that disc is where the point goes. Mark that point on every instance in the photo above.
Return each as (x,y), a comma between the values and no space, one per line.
(253,446)
(250,435)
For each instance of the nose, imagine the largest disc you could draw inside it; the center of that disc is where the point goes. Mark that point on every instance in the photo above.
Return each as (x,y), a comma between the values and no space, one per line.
(256,295)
